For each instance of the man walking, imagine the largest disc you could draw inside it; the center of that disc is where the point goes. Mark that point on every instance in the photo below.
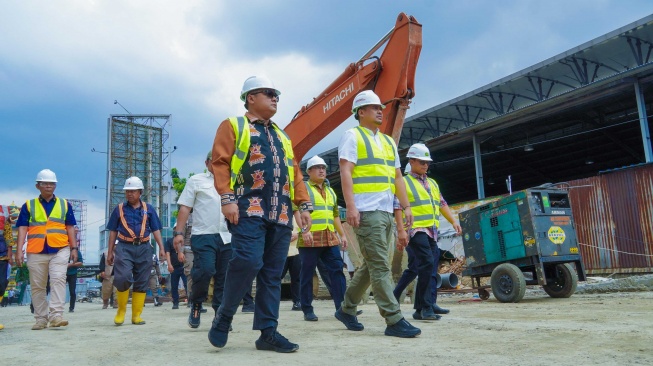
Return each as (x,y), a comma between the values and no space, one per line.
(48,223)
(154,282)
(176,269)
(210,242)
(71,275)
(371,177)
(258,180)
(321,242)
(423,253)
(6,255)
(106,276)
(132,223)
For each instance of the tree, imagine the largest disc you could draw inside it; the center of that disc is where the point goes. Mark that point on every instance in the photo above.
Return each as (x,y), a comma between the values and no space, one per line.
(178,184)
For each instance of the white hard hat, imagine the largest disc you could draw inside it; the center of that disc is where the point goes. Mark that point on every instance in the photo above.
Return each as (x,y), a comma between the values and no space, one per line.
(133,183)
(407,169)
(316,160)
(366,97)
(46,175)
(257,82)
(419,151)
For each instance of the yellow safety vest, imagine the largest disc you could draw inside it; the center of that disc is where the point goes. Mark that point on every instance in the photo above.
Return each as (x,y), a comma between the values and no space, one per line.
(42,226)
(375,169)
(425,207)
(322,215)
(241,129)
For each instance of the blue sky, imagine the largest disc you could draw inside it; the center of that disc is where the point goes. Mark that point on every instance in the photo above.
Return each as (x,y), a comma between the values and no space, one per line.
(63,63)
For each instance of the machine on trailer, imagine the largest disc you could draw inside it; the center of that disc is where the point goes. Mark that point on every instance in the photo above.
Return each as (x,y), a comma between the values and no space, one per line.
(529,232)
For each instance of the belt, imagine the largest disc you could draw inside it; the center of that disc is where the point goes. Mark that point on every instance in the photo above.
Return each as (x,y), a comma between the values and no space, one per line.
(136,241)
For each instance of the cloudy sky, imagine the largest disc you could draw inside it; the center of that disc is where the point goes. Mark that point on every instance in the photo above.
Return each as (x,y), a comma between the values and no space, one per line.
(63,63)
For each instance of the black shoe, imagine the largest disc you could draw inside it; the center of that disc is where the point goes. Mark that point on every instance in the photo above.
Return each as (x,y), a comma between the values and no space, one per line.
(428,314)
(202,310)
(417,315)
(310,317)
(248,308)
(219,332)
(402,329)
(175,305)
(296,306)
(359,312)
(439,310)
(157,302)
(71,310)
(194,317)
(348,320)
(275,342)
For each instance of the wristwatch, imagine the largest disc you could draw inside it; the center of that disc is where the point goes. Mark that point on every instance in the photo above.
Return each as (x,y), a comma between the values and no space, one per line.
(175,233)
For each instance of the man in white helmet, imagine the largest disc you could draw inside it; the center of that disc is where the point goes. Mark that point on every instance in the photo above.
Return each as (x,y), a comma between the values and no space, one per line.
(321,242)
(258,180)
(423,253)
(370,174)
(132,223)
(48,223)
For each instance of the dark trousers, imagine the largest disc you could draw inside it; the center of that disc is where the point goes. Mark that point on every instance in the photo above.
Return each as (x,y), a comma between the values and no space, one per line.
(332,261)
(175,276)
(293,264)
(132,265)
(324,273)
(423,253)
(210,260)
(3,276)
(71,280)
(259,249)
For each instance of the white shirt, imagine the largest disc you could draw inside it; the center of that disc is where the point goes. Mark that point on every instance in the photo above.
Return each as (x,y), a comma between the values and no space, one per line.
(348,150)
(200,195)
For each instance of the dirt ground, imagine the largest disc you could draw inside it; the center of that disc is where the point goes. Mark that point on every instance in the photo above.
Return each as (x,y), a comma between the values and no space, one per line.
(586,329)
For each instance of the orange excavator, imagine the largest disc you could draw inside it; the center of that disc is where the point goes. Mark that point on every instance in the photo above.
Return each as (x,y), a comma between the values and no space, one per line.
(391,76)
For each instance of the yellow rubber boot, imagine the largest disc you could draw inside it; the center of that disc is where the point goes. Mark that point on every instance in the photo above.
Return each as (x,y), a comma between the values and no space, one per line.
(122,299)
(138,301)
(2,327)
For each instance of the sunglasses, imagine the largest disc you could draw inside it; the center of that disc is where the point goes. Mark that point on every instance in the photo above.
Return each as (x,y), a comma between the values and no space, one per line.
(270,93)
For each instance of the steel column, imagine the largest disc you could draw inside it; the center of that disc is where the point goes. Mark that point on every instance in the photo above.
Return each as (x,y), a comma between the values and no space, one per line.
(643,122)
(480,185)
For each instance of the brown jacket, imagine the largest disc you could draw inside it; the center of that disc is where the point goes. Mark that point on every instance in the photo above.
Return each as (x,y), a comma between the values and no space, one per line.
(224,146)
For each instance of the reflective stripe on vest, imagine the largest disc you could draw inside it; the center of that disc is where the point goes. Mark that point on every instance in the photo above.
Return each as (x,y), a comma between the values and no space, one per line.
(242,143)
(425,207)
(322,215)
(132,235)
(42,227)
(375,169)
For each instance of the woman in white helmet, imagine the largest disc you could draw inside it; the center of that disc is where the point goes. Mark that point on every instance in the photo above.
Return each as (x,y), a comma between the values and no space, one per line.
(132,223)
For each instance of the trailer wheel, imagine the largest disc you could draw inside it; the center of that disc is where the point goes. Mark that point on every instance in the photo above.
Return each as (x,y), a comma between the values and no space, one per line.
(483,294)
(564,283)
(508,283)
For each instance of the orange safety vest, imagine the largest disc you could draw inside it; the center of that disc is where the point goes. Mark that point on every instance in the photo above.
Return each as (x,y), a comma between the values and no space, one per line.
(132,236)
(42,227)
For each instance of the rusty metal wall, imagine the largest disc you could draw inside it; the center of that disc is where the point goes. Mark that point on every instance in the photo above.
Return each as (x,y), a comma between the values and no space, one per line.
(613,214)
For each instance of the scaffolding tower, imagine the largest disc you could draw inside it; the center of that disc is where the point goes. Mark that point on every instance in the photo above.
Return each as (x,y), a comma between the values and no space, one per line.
(136,147)
(79,207)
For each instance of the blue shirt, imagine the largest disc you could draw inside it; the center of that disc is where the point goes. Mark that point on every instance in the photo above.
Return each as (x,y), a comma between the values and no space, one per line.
(73,270)
(23,219)
(134,218)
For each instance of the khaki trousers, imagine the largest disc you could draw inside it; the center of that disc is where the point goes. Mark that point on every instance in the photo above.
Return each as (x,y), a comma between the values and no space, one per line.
(108,291)
(376,239)
(188,266)
(40,266)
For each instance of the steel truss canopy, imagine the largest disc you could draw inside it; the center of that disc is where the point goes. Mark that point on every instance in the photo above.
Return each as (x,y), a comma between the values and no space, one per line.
(567,117)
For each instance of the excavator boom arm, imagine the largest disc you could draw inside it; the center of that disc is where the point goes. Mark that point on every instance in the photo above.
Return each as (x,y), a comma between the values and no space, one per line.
(391,76)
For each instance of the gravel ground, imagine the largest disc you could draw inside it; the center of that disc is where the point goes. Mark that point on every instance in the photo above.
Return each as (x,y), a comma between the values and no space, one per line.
(586,329)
